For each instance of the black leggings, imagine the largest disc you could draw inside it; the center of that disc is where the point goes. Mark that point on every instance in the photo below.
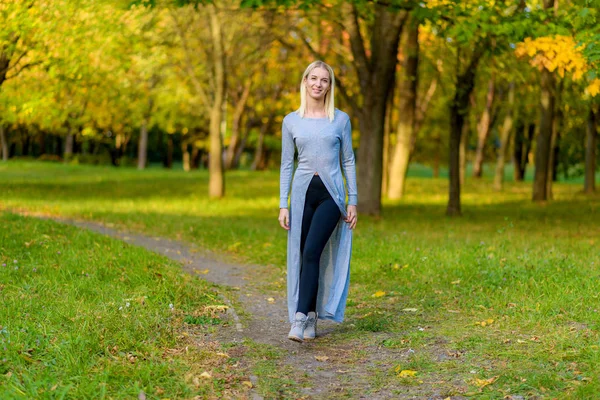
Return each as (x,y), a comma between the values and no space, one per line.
(320,217)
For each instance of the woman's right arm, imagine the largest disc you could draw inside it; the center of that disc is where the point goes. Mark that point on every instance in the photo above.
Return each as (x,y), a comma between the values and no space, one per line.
(287,165)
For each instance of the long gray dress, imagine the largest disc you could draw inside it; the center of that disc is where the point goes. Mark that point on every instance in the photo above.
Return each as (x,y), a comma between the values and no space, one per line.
(324,147)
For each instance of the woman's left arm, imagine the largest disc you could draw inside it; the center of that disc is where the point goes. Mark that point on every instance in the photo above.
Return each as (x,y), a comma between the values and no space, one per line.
(349,169)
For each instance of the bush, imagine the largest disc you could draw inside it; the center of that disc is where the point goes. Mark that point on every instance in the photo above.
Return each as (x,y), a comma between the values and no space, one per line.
(50,157)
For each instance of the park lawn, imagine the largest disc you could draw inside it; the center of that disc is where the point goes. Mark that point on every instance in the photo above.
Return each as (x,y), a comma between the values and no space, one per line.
(87,316)
(501,301)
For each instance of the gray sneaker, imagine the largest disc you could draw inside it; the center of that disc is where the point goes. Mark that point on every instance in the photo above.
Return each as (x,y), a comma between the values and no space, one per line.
(310,332)
(297,330)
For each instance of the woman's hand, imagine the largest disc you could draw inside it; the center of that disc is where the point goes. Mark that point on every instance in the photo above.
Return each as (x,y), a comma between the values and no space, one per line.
(352,216)
(284,218)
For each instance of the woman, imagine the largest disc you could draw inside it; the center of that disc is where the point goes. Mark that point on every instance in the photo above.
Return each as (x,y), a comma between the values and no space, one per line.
(319,223)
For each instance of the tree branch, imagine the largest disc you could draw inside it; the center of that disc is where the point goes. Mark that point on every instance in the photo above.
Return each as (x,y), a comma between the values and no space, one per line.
(188,63)
(357,46)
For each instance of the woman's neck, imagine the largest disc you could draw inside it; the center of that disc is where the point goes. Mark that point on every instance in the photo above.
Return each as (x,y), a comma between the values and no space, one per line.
(315,108)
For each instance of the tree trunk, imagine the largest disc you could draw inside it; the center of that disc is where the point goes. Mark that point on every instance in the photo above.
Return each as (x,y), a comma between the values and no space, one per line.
(41,143)
(505,139)
(143,146)
(4,142)
(186,156)
(235,126)
(386,143)
(259,155)
(544,137)
(68,152)
(375,75)
(590,152)
(195,158)
(483,129)
(554,142)
(168,159)
(25,142)
(464,146)
(459,108)
(216,185)
(519,155)
(405,131)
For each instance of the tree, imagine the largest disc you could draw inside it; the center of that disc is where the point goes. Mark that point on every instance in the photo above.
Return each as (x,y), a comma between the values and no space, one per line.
(406,132)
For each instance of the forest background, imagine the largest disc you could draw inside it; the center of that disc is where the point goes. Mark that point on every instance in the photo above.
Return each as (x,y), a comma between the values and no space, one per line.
(439,83)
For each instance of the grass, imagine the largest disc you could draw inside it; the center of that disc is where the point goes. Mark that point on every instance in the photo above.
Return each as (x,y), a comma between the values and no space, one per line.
(86,316)
(507,294)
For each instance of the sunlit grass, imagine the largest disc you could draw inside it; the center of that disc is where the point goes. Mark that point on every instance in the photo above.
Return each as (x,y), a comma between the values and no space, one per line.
(86,316)
(509,289)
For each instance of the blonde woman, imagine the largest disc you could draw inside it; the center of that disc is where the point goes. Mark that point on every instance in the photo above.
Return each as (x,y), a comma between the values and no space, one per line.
(318,221)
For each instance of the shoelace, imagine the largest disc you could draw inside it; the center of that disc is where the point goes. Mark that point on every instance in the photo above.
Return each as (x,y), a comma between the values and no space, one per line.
(299,322)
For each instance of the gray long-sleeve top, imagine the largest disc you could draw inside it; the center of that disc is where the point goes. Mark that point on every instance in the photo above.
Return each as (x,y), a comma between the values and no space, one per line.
(324,147)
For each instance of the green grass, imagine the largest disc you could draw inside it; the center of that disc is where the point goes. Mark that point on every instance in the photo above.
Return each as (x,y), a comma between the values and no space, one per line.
(509,290)
(86,316)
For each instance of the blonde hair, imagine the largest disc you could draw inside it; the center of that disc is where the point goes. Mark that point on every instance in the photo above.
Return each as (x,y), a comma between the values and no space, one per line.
(329,96)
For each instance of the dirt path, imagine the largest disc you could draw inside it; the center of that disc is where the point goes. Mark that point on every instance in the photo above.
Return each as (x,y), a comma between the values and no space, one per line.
(346,368)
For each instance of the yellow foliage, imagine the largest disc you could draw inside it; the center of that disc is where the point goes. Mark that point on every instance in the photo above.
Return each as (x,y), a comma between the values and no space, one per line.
(560,53)
(379,293)
(594,88)
(438,3)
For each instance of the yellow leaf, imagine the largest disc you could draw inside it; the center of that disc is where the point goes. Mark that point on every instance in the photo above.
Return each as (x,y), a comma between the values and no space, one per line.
(321,358)
(271,300)
(456,282)
(407,373)
(481,383)
(205,375)
(247,383)
(378,293)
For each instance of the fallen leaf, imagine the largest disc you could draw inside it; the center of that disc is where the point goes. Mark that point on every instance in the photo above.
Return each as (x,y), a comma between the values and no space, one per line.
(53,388)
(142,395)
(407,373)
(271,300)
(159,391)
(205,375)
(247,383)
(321,358)
(409,309)
(456,282)
(341,371)
(378,293)
(481,383)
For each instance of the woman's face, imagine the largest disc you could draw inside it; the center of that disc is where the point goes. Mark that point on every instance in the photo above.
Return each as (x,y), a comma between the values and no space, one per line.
(317,83)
